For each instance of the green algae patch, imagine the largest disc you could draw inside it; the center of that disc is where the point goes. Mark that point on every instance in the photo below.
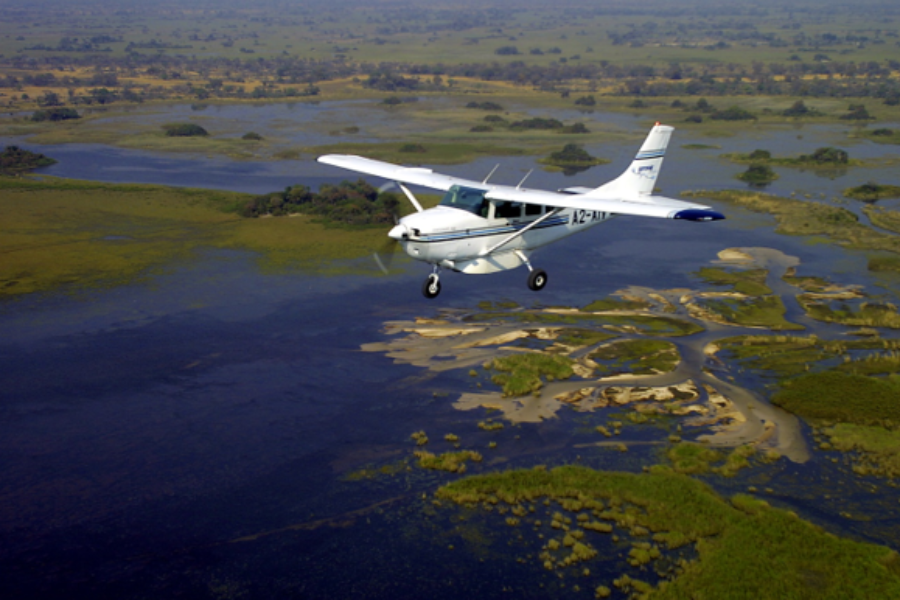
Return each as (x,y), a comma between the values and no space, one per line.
(521,374)
(783,355)
(744,548)
(845,397)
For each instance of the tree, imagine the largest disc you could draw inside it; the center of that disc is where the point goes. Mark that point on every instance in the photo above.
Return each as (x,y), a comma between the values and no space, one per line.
(184,130)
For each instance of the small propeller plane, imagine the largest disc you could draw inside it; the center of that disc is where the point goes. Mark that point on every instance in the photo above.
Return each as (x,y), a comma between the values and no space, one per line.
(484,228)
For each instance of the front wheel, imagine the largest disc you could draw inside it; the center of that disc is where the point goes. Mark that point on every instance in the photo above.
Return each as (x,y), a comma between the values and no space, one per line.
(432,287)
(537,280)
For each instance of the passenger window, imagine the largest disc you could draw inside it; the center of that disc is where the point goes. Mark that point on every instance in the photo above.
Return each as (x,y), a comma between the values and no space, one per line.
(507,210)
(533,210)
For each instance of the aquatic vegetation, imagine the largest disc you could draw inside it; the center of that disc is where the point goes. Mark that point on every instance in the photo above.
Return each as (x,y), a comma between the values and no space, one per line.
(799,217)
(453,462)
(451,437)
(636,356)
(758,175)
(184,130)
(607,304)
(872,192)
(751,282)
(521,374)
(637,323)
(727,536)
(489,425)
(877,449)
(420,438)
(844,397)
(762,311)
(867,314)
(15,160)
(690,458)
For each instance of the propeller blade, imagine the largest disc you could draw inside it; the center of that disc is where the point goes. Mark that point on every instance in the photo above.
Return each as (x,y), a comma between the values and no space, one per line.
(385,255)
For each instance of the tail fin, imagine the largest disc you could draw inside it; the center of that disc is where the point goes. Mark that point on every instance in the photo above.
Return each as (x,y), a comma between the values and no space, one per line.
(638,180)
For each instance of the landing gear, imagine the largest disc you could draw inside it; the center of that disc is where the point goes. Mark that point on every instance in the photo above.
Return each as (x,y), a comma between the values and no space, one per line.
(537,279)
(432,286)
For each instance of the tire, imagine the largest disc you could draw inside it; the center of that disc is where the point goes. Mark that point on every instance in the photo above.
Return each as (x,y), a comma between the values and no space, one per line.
(537,279)
(432,287)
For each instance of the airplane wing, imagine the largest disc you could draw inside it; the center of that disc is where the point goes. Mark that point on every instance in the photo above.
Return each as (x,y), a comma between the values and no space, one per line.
(643,205)
(412,175)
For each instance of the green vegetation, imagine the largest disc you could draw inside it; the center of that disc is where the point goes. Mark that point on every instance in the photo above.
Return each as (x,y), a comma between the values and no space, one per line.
(821,158)
(636,356)
(844,397)
(876,449)
(644,324)
(252,136)
(677,510)
(15,160)
(799,109)
(452,462)
(184,130)
(782,355)
(55,114)
(867,314)
(758,175)
(572,336)
(521,374)
(572,158)
(797,217)
(348,204)
(611,304)
(872,192)
(78,234)
(751,282)
(760,311)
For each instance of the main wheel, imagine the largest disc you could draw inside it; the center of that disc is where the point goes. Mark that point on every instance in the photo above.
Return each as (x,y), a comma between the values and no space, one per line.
(537,279)
(432,286)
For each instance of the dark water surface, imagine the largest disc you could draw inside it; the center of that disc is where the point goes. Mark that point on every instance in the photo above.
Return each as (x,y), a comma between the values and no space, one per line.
(192,437)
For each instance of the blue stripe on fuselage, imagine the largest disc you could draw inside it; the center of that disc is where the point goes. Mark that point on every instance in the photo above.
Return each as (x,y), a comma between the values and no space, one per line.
(488,231)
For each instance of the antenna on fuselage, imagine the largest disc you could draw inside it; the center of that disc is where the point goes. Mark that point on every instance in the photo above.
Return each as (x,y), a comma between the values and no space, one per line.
(518,187)
(497,166)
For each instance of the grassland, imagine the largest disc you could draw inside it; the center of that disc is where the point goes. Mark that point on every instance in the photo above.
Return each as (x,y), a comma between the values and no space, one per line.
(675,510)
(75,234)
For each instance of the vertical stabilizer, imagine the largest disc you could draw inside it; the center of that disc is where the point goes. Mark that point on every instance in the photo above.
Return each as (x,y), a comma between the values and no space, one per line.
(640,177)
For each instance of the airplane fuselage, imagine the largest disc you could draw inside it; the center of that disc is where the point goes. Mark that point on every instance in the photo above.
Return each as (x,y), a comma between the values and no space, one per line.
(464,239)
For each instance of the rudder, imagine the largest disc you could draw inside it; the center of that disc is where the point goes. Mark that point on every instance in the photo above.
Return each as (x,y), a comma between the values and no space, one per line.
(640,177)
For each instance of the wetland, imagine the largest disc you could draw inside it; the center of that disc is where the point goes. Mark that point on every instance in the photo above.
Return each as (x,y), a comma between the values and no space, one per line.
(206,401)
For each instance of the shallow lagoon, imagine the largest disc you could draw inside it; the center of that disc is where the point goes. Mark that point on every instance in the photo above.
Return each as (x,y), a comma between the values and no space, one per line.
(194,435)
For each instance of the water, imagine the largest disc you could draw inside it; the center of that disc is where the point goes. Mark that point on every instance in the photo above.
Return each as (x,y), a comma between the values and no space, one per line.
(193,435)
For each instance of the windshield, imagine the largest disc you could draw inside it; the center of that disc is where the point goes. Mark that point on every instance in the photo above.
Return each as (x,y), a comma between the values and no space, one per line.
(468,199)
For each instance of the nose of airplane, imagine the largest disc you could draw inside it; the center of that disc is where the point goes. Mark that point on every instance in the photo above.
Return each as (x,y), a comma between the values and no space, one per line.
(399,232)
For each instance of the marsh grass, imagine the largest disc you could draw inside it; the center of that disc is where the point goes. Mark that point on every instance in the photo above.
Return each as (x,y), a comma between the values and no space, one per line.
(839,396)
(751,282)
(762,311)
(799,217)
(637,356)
(744,548)
(76,234)
(521,374)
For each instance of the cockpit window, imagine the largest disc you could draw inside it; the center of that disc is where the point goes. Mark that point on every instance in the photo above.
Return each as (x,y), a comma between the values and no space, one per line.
(468,199)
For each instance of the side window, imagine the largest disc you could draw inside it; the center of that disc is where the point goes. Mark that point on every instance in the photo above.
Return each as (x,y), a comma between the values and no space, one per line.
(507,210)
(533,210)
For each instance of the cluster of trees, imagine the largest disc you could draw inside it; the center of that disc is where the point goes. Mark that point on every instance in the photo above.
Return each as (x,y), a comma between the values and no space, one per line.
(55,114)
(14,160)
(184,130)
(350,203)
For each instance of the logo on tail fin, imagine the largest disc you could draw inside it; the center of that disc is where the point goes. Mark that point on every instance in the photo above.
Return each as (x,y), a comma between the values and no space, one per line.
(645,172)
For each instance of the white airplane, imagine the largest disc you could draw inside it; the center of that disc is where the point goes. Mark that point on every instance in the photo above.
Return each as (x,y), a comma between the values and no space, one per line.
(484,228)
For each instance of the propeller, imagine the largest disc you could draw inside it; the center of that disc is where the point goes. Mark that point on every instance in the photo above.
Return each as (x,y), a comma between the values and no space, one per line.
(384,256)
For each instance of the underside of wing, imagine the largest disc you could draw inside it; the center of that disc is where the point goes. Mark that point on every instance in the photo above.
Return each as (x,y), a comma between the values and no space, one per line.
(647,206)
(411,175)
